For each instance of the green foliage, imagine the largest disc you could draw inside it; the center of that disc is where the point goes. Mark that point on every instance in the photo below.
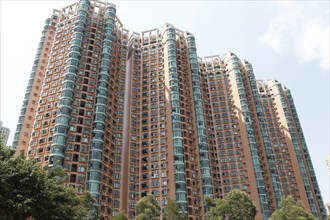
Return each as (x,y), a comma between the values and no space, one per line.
(120,216)
(147,208)
(27,192)
(209,203)
(291,209)
(87,204)
(5,153)
(237,205)
(173,211)
(218,211)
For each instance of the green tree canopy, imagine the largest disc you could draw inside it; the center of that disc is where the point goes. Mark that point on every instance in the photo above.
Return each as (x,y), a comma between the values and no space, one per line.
(147,208)
(173,211)
(291,209)
(237,205)
(26,191)
(120,216)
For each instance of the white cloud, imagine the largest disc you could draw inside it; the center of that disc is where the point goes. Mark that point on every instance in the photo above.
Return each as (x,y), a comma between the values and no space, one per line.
(313,44)
(302,27)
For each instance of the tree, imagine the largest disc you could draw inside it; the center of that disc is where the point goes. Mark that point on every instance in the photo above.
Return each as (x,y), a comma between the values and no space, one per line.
(147,208)
(209,203)
(218,210)
(237,205)
(28,192)
(120,216)
(173,211)
(5,152)
(291,209)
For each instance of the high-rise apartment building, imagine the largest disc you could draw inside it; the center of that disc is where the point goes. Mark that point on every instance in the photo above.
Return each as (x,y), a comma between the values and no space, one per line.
(255,138)
(4,134)
(131,115)
(28,111)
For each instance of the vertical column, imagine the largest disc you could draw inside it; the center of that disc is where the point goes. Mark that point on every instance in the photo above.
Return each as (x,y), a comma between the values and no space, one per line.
(265,210)
(29,87)
(200,118)
(265,135)
(297,150)
(66,99)
(177,139)
(96,148)
(309,164)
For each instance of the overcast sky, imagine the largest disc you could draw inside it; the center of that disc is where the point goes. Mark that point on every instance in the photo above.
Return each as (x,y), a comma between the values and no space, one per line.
(285,40)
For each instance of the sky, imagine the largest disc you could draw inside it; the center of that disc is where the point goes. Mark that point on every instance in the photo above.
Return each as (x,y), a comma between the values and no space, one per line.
(285,40)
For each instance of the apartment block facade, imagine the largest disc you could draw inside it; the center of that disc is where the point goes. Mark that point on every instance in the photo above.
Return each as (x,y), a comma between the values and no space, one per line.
(128,115)
(4,134)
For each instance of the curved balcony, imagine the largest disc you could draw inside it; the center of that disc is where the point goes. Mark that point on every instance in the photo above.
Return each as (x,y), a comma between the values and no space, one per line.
(97,142)
(177,139)
(263,129)
(67,93)
(200,119)
(260,183)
